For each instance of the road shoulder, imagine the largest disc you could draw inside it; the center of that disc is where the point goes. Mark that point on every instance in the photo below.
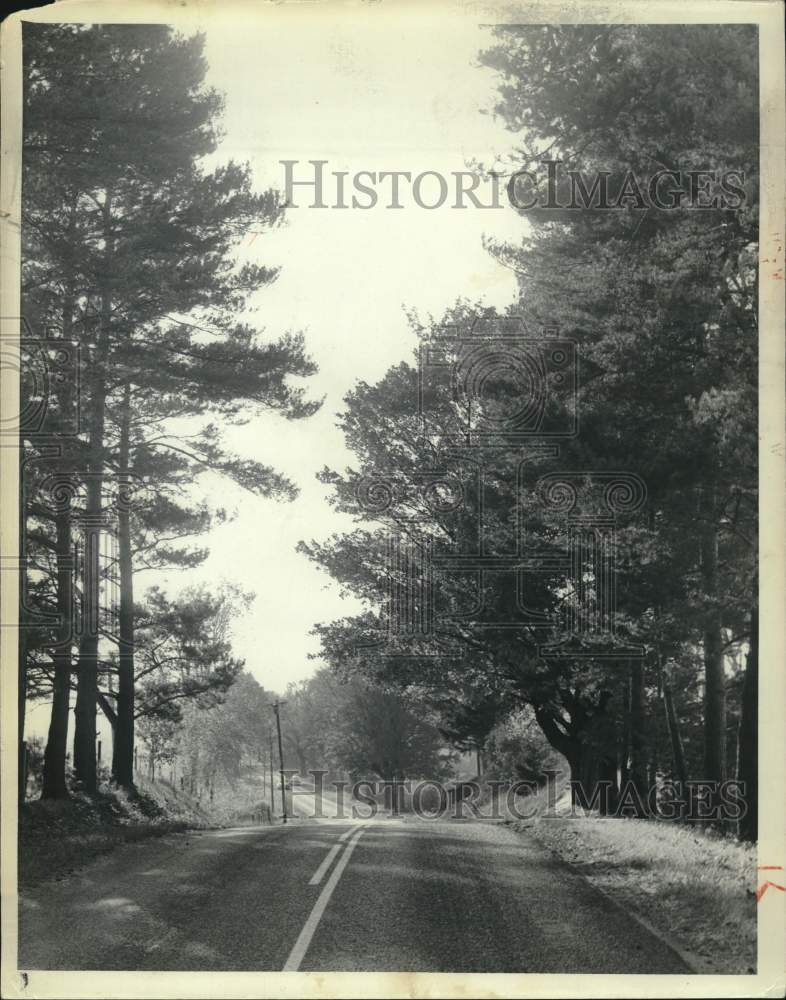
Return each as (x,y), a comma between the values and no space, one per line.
(693,891)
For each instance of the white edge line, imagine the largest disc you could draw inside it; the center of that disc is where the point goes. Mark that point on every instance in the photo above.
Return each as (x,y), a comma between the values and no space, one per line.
(345,834)
(300,948)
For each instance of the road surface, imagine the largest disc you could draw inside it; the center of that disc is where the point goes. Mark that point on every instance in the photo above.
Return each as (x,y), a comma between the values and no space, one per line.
(389,894)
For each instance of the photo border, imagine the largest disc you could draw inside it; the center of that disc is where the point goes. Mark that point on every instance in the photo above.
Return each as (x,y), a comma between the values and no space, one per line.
(769,978)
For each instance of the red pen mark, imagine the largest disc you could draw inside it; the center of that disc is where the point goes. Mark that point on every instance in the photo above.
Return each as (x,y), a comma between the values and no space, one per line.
(778,274)
(763,888)
(766,885)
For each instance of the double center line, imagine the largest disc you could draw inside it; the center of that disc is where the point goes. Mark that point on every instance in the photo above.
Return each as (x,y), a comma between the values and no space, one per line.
(300,948)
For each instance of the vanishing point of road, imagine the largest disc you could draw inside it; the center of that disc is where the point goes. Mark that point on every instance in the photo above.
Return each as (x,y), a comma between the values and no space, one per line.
(384,895)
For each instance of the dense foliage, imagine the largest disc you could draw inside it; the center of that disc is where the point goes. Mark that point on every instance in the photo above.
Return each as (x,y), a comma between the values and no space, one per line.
(661,305)
(130,269)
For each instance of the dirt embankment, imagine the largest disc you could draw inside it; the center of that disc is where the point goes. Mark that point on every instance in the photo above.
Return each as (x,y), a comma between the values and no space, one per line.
(57,837)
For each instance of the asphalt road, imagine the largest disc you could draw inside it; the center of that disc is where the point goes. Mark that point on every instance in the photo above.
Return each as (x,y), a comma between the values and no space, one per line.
(390,894)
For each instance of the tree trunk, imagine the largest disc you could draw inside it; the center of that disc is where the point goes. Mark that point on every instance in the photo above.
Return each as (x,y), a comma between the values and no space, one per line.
(627,737)
(637,765)
(600,734)
(21,703)
(593,780)
(87,677)
(54,779)
(123,749)
(653,757)
(577,775)
(87,670)
(748,749)
(714,680)
(584,763)
(609,786)
(675,739)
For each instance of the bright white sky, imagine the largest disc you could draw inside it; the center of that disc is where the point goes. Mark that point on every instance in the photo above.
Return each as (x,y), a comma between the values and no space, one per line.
(364,96)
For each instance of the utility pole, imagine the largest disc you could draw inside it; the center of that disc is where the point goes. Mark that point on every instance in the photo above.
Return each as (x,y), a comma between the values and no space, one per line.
(276,706)
(270,762)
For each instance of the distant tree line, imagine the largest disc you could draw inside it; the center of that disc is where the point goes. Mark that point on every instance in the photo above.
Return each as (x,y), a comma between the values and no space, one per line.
(346,730)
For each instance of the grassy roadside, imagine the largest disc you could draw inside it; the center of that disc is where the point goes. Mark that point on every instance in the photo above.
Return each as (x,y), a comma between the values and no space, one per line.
(58,837)
(696,889)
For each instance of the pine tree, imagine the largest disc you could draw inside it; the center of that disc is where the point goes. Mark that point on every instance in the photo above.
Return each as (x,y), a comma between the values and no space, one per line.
(119,116)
